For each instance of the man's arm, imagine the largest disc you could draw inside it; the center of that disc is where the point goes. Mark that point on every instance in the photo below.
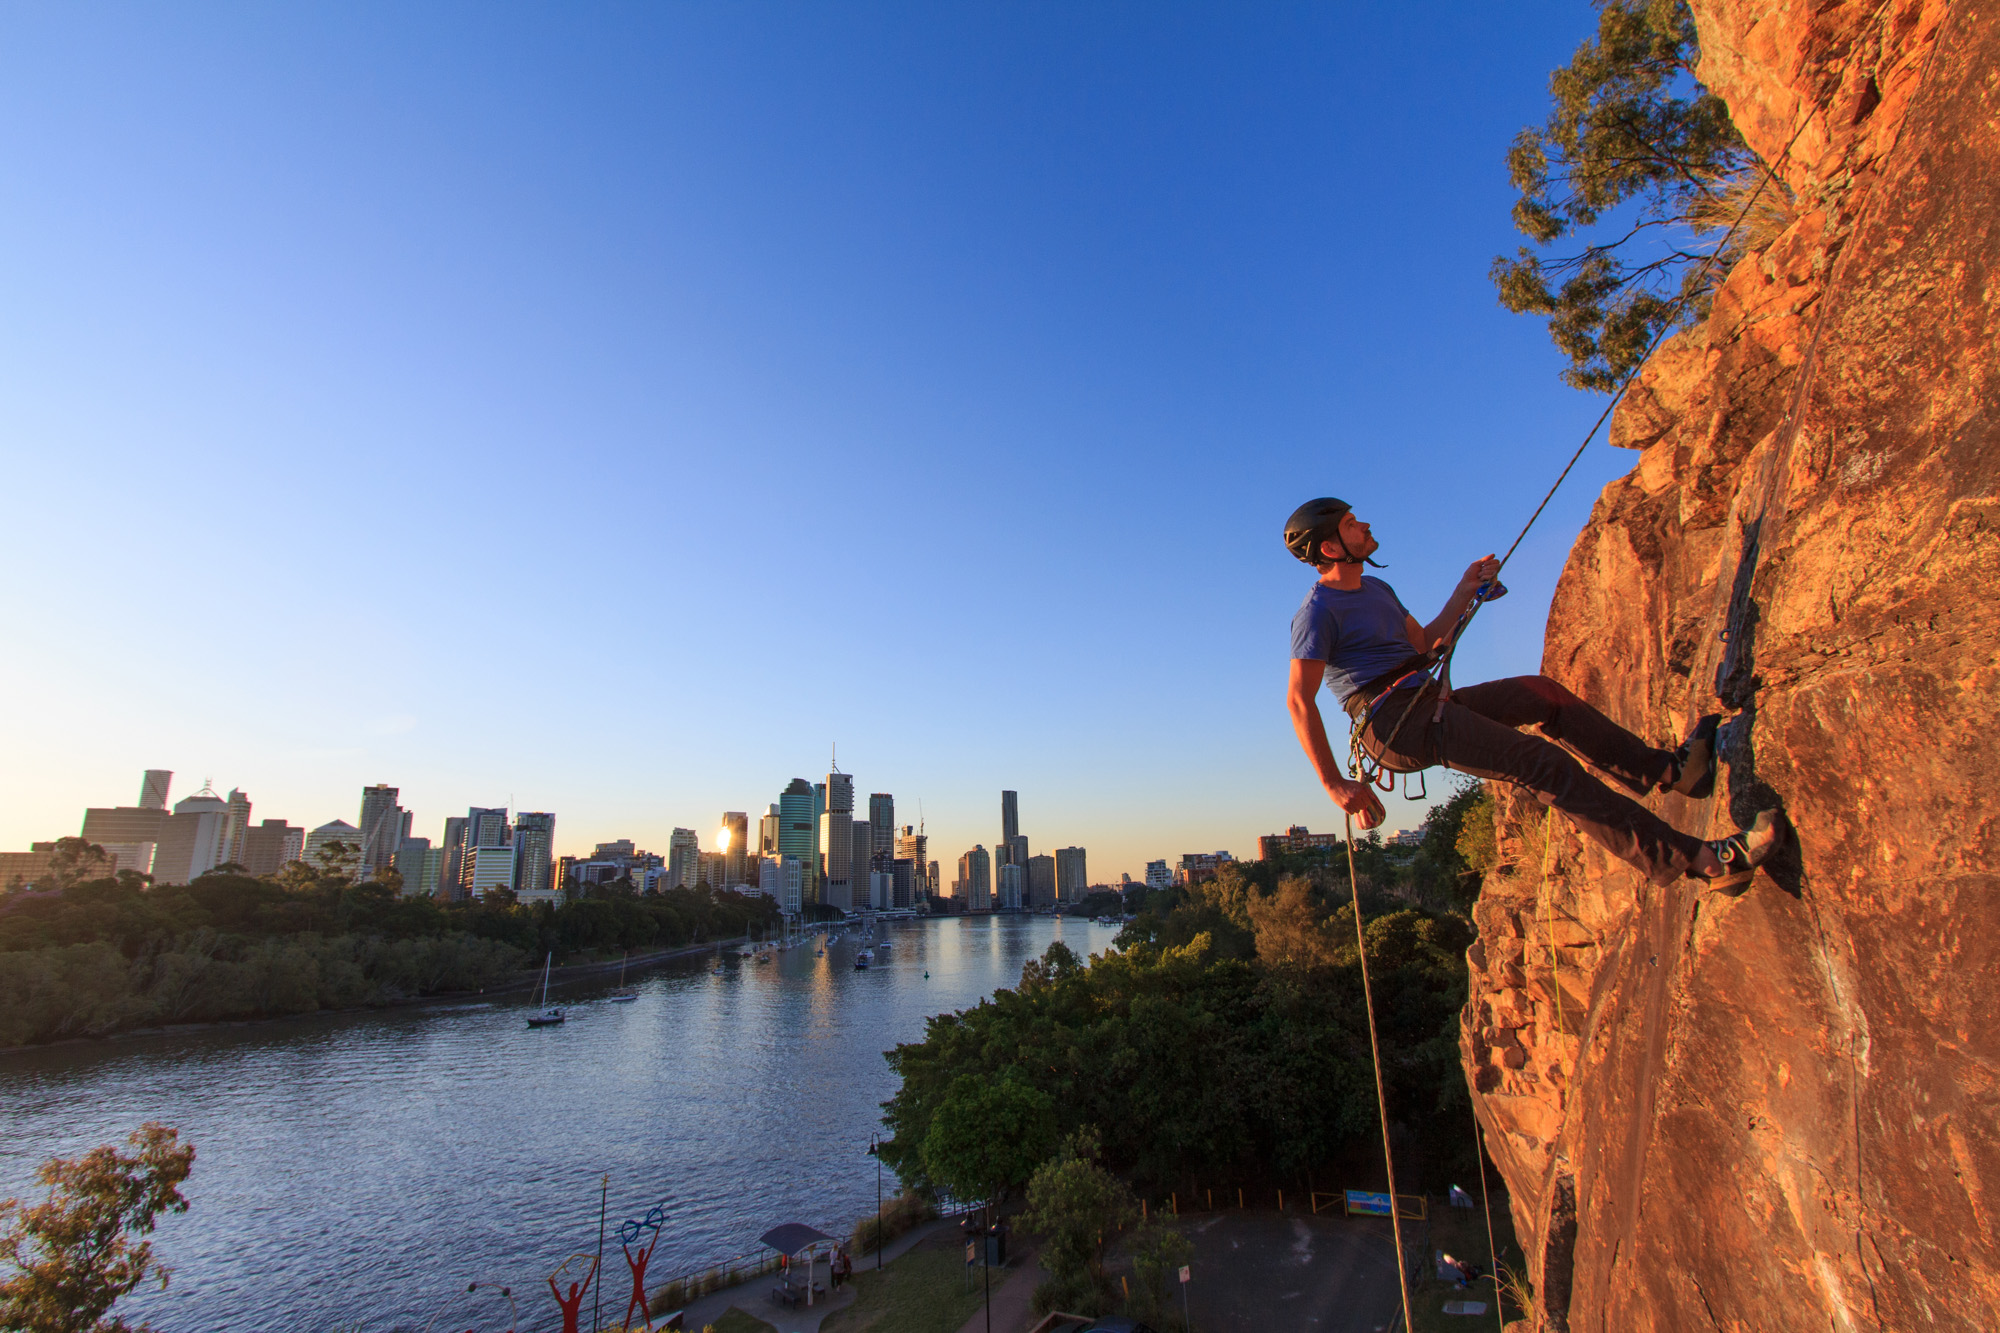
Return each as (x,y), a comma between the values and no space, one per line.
(1302,697)
(1423,638)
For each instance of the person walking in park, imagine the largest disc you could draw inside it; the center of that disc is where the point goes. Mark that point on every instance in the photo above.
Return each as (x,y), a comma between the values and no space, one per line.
(1353,635)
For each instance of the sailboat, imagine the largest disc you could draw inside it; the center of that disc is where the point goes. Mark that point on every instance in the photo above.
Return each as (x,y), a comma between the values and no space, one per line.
(624,994)
(549,1016)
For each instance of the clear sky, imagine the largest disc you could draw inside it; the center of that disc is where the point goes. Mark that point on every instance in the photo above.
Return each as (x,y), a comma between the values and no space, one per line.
(605,409)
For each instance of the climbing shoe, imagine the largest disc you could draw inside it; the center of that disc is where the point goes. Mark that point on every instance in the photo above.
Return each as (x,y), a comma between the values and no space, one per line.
(1742,852)
(1693,774)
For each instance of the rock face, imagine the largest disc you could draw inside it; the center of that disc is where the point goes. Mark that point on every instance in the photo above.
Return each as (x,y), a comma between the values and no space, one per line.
(1781,1111)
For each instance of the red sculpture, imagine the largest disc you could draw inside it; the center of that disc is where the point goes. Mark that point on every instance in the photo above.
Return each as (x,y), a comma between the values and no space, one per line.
(637,1263)
(573,1304)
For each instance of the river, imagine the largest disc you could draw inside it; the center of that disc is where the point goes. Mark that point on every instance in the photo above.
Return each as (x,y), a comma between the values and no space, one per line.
(358,1170)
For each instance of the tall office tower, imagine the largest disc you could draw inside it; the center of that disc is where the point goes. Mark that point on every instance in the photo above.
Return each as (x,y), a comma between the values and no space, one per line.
(412,856)
(793,899)
(683,859)
(486,869)
(487,827)
(837,839)
(737,849)
(917,848)
(975,871)
(798,833)
(1072,880)
(129,834)
(882,822)
(535,856)
(902,883)
(1041,881)
(453,849)
(320,853)
(270,846)
(1010,816)
(1012,887)
(191,839)
(381,828)
(931,878)
(861,833)
(234,826)
(767,834)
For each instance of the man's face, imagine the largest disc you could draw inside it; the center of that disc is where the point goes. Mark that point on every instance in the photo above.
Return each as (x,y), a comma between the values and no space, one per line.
(1356,536)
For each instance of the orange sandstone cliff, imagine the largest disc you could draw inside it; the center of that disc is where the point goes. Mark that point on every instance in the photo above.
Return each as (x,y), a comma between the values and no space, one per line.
(1781,1111)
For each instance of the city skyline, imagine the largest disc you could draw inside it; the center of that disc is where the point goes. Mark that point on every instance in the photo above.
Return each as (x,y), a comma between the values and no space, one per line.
(701,262)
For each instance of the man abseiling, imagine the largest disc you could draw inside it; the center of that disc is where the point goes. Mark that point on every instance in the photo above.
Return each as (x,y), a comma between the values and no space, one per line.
(1354,635)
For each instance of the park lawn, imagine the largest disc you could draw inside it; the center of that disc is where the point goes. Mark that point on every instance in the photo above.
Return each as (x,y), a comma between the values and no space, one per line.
(1462,1232)
(736,1321)
(923,1291)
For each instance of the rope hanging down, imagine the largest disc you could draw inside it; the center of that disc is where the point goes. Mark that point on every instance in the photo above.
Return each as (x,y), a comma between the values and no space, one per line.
(1381,1101)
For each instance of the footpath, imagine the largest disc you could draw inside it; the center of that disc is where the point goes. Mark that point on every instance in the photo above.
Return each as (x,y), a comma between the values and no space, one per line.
(752,1297)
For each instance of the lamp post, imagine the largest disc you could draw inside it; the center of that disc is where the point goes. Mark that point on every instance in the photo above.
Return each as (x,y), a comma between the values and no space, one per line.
(875,1151)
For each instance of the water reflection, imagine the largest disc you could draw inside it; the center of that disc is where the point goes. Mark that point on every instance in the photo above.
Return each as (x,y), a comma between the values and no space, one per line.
(354,1169)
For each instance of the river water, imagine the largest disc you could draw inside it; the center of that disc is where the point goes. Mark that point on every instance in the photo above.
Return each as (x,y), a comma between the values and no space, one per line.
(361,1170)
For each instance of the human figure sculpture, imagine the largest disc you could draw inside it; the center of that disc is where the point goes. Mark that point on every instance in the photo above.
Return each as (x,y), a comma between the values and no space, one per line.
(637,1263)
(572,1305)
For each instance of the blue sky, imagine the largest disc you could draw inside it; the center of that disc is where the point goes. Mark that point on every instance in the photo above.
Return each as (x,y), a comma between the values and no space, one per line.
(607,409)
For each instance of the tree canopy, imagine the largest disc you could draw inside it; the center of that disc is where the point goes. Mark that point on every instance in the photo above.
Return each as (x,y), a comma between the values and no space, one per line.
(1636,164)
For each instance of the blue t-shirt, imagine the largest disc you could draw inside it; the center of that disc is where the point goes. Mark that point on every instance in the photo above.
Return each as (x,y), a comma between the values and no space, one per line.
(1359,634)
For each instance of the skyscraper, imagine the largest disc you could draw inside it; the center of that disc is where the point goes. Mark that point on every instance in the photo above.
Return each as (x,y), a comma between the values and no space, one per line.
(270,846)
(683,859)
(535,856)
(837,839)
(882,821)
(191,840)
(234,824)
(453,853)
(859,887)
(153,788)
(485,869)
(1072,880)
(915,847)
(798,834)
(131,833)
(1011,889)
(320,853)
(767,834)
(1010,816)
(381,828)
(975,872)
(417,861)
(1041,881)
(486,827)
(736,849)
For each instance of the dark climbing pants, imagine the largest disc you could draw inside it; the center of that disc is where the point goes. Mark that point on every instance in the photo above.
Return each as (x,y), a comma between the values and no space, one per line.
(1476,734)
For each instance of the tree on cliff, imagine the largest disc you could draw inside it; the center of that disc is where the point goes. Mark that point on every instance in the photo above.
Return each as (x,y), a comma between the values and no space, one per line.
(71,1255)
(1636,143)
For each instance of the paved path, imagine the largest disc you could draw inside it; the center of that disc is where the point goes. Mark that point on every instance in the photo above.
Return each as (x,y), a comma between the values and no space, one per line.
(1013,1308)
(1256,1271)
(753,1297)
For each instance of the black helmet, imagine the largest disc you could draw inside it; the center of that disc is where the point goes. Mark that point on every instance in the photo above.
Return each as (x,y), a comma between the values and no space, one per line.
(1314,522)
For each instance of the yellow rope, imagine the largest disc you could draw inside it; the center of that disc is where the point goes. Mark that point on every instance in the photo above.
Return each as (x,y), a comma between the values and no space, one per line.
(1375,1054)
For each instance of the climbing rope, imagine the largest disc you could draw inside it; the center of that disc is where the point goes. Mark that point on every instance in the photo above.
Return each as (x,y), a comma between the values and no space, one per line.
(1548,894)
(1486,1206)
(1381,1100)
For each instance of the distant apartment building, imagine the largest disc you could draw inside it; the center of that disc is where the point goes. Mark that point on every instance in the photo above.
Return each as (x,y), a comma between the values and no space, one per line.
(836,825)
(784,880)
(453,849)
(535,857)
(418,862)
(1072,879)
(683,859)
(1295,839)
(767,835)
(1195,867)
(1012,889)
(1041,882)
(1409,837)
(382,827)
(234,825)
(915,847)
(975,878)
(798,833)
(130,834)
(192,839)
(882,823)
(269,847)
(322,854)
(1158,876)
(485,869)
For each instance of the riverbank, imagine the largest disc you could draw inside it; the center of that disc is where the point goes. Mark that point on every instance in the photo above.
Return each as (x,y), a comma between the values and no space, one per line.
(526,980)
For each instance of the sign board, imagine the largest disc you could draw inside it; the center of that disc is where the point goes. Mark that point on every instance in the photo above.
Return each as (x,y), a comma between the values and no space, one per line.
(1367,1203)
(1184,1273)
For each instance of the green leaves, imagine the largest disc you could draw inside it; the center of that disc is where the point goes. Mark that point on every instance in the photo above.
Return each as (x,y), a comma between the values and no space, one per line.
(1634,138)
(988,1135)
